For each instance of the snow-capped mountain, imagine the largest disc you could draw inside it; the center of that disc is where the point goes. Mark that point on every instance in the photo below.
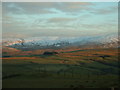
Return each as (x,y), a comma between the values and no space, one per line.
(105,41)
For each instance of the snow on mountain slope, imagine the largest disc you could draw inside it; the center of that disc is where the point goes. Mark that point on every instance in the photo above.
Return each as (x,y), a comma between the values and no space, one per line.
(110,40)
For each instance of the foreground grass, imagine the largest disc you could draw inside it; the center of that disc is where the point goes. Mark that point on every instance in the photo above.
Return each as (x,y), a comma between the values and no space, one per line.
(74,69)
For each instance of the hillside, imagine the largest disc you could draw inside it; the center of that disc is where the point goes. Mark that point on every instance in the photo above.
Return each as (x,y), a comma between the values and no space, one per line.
(70,68)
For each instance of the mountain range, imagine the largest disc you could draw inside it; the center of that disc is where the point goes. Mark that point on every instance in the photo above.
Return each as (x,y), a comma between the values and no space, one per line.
(104,41)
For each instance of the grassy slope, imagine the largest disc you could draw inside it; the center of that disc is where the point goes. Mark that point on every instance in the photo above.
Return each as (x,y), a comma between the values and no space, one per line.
(76,68)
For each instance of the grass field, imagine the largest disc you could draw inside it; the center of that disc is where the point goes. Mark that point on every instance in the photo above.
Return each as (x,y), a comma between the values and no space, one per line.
(68,69)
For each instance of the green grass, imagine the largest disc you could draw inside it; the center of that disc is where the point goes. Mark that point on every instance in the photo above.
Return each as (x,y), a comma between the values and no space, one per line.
(45,75)
(48,72)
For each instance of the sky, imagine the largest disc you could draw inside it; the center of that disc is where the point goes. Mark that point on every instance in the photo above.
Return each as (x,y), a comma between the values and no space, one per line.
(61,19)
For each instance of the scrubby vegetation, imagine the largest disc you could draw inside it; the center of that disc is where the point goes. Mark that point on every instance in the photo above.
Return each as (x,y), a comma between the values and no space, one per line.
(66,69)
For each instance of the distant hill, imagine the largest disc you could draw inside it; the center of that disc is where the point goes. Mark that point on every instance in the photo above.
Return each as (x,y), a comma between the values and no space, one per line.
(34,43)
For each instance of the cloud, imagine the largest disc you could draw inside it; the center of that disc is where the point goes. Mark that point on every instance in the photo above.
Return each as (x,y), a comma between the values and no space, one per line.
(11,8)
(104,11)
(57,18)
(60,19)
(74,7)
(100,28)
(44,7)
(14,35)
(25,8)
